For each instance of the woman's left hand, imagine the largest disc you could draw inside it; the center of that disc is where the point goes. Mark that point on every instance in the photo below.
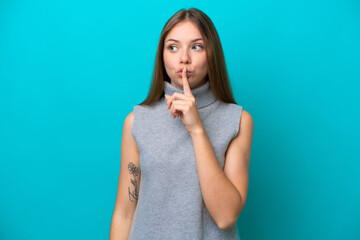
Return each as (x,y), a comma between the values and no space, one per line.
(184,105)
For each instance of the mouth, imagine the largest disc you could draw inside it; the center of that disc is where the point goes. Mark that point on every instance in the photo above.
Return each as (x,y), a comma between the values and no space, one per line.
(188,74)
(180,71)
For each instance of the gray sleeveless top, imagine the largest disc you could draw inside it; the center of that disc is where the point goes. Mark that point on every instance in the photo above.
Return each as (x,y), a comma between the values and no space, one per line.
(170,203)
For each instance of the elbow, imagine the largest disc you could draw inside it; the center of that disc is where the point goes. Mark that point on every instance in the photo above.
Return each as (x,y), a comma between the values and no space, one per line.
(227,224)
(230,220)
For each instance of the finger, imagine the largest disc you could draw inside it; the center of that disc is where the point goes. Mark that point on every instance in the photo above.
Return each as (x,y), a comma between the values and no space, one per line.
(186,85)
(176,114)
(177,109)
(179,103)
(174,108)
(167,101)
(176,96)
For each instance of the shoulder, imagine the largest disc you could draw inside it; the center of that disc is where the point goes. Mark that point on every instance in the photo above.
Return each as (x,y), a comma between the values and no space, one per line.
(130,117)
(246,122)
(128,130)
(129,121)
(230,110)
(246,117)
(148,108)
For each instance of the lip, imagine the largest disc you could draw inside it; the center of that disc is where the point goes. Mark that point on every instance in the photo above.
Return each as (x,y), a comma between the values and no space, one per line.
(187,71)
(188,74)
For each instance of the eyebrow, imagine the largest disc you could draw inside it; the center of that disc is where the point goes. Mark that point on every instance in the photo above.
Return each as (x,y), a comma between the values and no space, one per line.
(196,39)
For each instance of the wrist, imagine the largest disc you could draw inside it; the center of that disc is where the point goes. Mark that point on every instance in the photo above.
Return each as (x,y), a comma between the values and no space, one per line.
(200,130)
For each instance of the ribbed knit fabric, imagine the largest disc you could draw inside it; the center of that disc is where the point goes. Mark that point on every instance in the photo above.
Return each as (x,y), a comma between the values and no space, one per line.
(170,203)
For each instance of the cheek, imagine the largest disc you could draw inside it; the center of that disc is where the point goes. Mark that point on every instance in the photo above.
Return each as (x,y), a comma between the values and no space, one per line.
(203,64)
(167,61)
(168,65)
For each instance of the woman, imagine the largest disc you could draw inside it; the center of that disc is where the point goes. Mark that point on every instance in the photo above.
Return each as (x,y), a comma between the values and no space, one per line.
(185,150)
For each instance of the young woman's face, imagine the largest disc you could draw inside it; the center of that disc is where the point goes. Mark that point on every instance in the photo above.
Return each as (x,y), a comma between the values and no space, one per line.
(184,46)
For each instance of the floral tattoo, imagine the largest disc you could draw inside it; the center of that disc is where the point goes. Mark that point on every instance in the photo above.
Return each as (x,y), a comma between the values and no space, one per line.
(133,171)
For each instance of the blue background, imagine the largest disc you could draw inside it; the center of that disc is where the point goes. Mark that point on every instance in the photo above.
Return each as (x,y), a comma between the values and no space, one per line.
(71,71)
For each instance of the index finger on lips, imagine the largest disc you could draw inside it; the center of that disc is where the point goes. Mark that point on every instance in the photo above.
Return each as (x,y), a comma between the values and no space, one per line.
(186,85)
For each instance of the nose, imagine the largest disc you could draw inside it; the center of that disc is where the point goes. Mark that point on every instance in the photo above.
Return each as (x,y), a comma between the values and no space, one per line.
(185,57)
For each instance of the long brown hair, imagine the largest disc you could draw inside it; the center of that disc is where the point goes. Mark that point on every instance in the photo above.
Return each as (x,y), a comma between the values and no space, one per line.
(217,74)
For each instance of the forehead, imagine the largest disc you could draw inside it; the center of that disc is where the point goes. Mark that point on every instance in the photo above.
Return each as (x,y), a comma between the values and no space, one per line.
(184,31)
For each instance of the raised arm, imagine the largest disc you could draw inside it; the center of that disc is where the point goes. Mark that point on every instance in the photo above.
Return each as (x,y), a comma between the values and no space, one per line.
(128,186)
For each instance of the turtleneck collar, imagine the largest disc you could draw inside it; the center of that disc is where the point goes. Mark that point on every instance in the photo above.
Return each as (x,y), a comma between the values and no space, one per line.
(203,94)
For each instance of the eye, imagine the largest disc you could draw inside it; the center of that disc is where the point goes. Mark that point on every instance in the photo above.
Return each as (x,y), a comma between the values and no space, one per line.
(171,47)
(198,47)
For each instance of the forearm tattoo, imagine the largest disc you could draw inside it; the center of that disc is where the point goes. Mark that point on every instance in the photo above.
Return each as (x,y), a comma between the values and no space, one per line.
(133,171)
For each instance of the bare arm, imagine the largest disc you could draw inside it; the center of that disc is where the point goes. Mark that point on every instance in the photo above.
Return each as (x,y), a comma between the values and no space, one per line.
(224,191)
(128,186)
